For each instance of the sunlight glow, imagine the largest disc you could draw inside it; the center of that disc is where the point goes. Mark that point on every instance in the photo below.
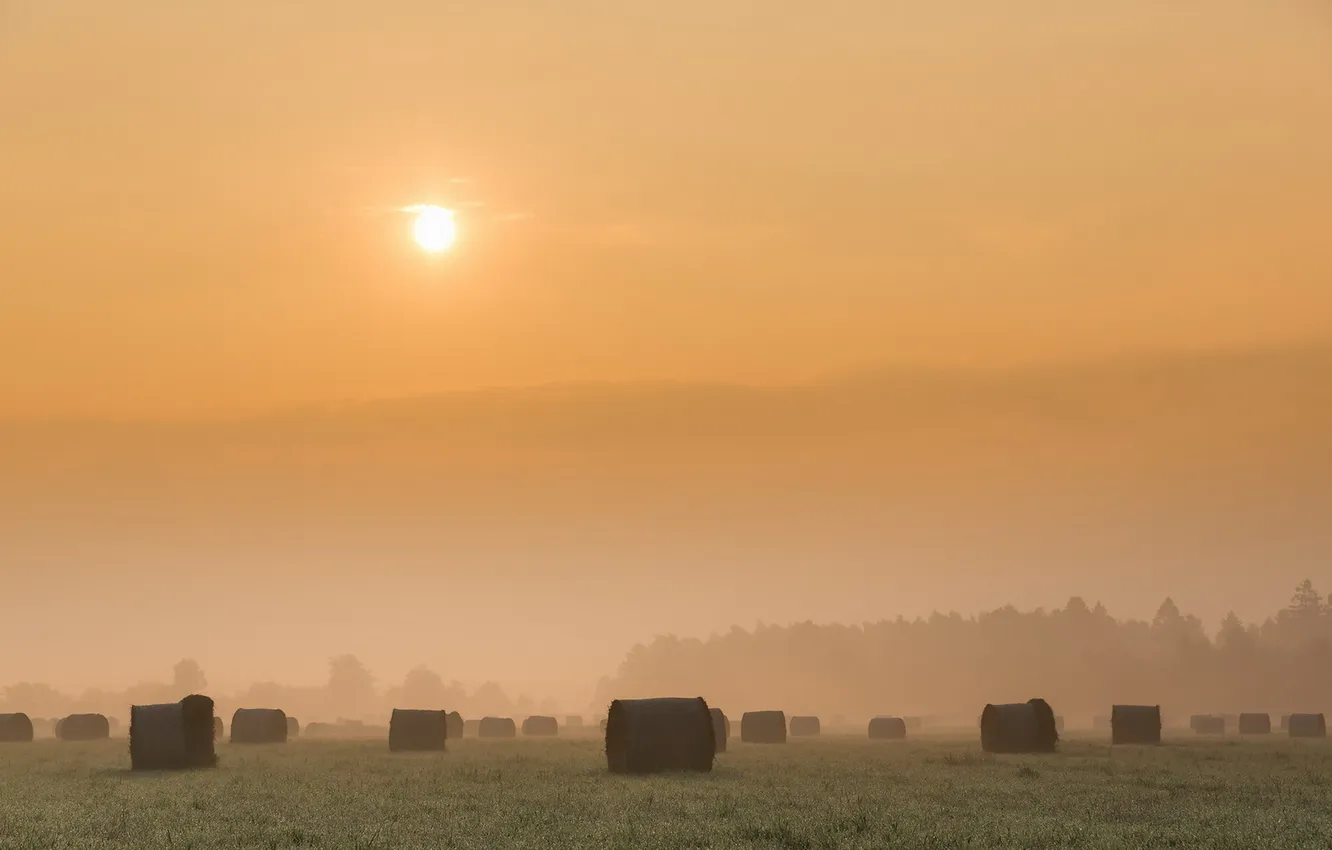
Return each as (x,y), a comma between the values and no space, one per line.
(434,228)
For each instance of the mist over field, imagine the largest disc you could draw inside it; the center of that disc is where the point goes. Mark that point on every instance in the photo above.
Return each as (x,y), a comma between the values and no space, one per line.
(530,537)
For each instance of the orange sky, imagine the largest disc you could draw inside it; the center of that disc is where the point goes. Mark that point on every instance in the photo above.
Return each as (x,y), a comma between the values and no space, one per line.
(197,198)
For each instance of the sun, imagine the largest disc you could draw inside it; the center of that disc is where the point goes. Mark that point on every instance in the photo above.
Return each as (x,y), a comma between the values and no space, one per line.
(434,228)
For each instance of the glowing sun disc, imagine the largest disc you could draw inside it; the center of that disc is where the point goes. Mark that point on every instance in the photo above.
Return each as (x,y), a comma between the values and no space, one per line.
(434,229)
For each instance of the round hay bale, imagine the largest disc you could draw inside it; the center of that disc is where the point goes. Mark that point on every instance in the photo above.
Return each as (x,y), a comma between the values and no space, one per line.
(657,735)
(454,723)
(173,736)
(1135,724)
(1255,724)
(497,727)
(318,730)
(573,721)
(417,730)
(259,726)
(15,728)
(763,727)
(1307,726)
(888,729)
(471,728)
(721,728)
(217,726)
(914,724)
(1208,724)
(83,727)
(539,726)
(1024,727)
(804,727)
(293,728)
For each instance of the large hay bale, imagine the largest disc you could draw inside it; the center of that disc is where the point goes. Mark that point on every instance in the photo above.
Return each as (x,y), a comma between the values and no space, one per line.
(293,728)
(539,726)
(887,728)
(804,727)
(259,726)
(1024,727)
(83,727)
(656,735)
(1255,724)
(15,728)
(471,728)
(454,723)
(217,726)
(417,730)
(1208,724)
(1135,724)
(1307,726)
(721,729)
(573,721)
(763,727)
(172,736)
(497,727)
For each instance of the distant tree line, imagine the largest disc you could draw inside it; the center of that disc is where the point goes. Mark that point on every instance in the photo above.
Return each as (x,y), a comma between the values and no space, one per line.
(350,692)
(1078,657)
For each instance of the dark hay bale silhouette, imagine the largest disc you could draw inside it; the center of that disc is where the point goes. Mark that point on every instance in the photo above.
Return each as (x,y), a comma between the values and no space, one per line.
(1135,724)
(573,721)
(721,729)
(293,728)
(497,727)
(217,726)
(259,726)
(172,736)
(1255,724)
(805,727)
(763,727)
(539,726)
(417,730)
(83,727)
(657,735)
(888,728)
(15,728)
(1024,727)
(455,725)
(471,728)
(1307,726)
(1208,724)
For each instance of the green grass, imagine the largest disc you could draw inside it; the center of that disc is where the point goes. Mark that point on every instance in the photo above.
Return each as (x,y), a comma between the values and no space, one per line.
(827,793)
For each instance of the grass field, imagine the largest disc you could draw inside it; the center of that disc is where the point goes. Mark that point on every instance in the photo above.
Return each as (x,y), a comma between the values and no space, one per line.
(825,793)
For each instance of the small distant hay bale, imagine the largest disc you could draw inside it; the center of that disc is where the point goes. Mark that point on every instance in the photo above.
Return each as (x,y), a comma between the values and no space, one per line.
(1135,724)
(83,727)
(658,735)
(913,723)
(804,727)
(455,725)
(259,726)
(293,728)
(887,728)
(603,725)
(1255,724)
(417,730)
(1059,723)
(1208,724)
(1024,727)
(573,721)
(763,727)
(721,729)
(539,726)
(172,736)
(217,726)
(497,727)
(318,730)
(471,728)
(15,728)
(1307,726)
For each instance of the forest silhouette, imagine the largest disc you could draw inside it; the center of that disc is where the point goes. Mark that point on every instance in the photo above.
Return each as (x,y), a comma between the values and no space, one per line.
(946,666)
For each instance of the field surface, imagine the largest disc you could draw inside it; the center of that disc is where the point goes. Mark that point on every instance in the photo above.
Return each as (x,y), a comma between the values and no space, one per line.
(827,793)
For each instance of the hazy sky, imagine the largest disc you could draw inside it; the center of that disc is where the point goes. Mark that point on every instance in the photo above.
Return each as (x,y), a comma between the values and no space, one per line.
(198,198)
(200,215)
